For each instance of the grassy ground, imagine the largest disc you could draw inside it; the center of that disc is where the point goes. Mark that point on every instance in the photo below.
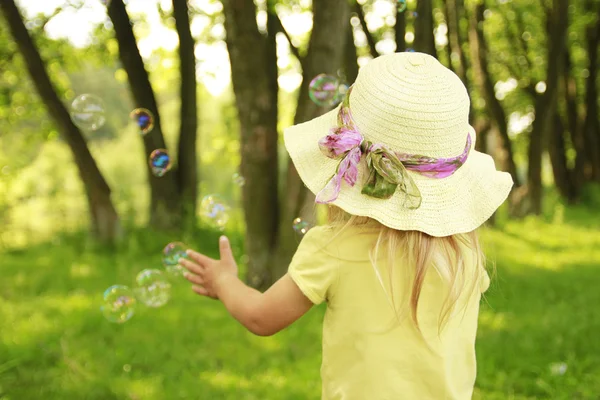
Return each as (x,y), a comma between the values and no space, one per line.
(543,308)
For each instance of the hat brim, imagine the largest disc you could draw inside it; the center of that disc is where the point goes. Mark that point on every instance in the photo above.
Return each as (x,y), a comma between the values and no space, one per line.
(457,204)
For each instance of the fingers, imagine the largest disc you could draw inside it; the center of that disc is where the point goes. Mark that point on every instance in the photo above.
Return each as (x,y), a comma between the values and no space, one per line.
(200,290)
(193,278)
(199,258)
(191,266)
(225,250)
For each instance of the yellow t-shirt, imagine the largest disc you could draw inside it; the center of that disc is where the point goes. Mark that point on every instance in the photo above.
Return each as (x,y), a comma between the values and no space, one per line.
(368,353)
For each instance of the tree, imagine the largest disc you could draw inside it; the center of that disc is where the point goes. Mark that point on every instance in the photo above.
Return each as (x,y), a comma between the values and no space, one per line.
(545,104)
(187,174)
(175,192)
(479,56)
(269,240)
(105,222)
(424,39)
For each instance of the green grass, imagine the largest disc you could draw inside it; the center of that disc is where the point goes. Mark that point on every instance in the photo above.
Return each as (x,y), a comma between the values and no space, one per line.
(543,308)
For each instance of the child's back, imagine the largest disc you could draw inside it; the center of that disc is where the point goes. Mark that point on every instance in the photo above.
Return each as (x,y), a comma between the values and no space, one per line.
(370,353)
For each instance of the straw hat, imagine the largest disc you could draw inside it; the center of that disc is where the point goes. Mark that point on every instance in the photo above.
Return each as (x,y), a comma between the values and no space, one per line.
(412,104)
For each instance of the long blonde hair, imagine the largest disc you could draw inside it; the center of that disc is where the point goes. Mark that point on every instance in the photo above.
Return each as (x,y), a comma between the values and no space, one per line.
(421,252)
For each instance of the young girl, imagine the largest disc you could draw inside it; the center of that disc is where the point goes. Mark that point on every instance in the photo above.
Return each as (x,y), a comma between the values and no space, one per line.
(399,264)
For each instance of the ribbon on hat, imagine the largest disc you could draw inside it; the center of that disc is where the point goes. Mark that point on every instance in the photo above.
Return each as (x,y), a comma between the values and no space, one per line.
(388,171)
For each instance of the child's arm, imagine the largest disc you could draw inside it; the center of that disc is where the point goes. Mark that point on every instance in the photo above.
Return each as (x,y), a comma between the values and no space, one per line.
(262,314)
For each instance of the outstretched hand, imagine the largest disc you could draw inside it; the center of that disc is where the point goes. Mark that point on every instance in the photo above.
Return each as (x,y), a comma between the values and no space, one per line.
(207,274)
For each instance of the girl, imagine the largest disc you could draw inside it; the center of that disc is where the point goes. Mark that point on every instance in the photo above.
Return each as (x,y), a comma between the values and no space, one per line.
(399,265)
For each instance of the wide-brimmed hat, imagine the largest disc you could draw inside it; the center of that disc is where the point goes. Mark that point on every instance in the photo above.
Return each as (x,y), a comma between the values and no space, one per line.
(400,150)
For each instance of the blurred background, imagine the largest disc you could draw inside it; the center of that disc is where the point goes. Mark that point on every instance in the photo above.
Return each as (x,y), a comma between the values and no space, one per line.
(91,89)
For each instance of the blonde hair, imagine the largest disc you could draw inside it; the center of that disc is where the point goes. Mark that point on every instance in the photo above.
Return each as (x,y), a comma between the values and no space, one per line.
(421,252)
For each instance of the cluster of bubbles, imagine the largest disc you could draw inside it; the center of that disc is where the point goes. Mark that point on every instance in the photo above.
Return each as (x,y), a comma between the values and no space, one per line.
(152,287)
(88,114)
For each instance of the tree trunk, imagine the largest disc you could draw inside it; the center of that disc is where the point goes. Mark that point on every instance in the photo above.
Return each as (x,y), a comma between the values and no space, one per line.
(358,8)
(556,147)
(165,200)
(454,9)
(479,49)
(325,55)
(424,39)
(257,112)
(104,219)
(545,105)
(187,169)
(400,31)
(574,126)
(591,124)
(350,57)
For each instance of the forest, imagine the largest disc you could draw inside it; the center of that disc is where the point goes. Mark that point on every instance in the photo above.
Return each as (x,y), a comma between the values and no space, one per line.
(127,125)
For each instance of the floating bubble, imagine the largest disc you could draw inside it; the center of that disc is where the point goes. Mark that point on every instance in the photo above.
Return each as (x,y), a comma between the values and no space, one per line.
(300,226)
(153,288)
(410,50)
(559,368)
(172,253)
(127,368)
(215,211)
(87,112)
(323,90)
(160,162)
(401,5)
(414,14)
(119,304)
(144,119)
(239,180)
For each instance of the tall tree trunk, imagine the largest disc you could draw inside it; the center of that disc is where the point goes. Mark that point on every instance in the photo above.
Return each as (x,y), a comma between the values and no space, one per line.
(360,12)
(556,147)
(325,55)
(104,219)
(165,200)
(187,170)
(400,31)
(257,112)
(479,58)
(591,124)
(424,38)
(545,104)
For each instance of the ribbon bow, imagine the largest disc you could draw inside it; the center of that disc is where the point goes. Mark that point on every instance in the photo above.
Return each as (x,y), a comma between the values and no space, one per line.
(388,171)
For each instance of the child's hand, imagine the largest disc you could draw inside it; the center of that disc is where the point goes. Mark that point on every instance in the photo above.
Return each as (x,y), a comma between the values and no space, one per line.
(207,274)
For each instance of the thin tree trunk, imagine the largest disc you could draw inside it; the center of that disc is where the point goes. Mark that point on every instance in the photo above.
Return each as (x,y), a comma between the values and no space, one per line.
(257,111)
(165,200)
(104,219)
(574,126)
(325,55)
(424,38)
(557,150)
(454,9)
(350,57)
(363,23)
(187,170)
(400,31)
(478,47)
(591,125)
(546,103)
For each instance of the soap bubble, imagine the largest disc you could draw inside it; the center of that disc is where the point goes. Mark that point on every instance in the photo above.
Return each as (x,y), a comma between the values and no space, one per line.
(172,253)
(160,162)
(401,5)
(410,50)
(239,180)
(153,288)
(215,211)
(144,119)
(324,90)
(559,368)
(87,112)
(119,304)
(414,14)
(300,226)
